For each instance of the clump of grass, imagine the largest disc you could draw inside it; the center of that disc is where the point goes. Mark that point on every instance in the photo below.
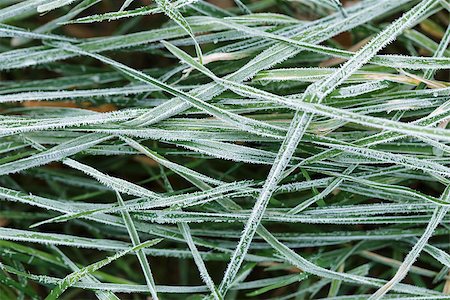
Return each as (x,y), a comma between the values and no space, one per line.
(233,150)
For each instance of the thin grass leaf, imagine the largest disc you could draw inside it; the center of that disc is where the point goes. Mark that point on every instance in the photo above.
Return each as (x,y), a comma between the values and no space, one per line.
(185,231)
(102,295)
(401,273)
(74,277)
(172,12)
(134,236)
(53,5)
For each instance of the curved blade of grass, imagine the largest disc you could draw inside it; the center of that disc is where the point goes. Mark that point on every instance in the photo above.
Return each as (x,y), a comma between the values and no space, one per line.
(172,12)
(307,266)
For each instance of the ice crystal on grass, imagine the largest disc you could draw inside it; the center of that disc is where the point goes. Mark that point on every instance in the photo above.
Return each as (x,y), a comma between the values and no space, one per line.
(260,149)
